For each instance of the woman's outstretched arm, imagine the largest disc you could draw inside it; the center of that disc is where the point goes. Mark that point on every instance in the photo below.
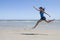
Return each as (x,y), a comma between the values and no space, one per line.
(47,14)
(36,8)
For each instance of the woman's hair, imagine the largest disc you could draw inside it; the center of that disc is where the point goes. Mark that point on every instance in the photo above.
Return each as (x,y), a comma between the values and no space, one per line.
(41,8)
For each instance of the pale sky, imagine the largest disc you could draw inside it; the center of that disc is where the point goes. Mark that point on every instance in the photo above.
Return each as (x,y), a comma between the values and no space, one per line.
(23,9)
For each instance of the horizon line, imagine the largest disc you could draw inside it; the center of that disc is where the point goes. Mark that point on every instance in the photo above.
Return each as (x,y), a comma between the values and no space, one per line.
(22,19)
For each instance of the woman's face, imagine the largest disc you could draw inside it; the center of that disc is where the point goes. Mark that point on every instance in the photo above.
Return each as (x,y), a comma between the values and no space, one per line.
(41,10)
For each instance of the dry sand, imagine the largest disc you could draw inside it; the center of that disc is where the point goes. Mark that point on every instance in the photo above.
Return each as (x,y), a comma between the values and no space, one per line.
(29,34)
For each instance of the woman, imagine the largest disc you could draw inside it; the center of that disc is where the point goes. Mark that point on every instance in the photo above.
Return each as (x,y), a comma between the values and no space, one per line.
(43,18)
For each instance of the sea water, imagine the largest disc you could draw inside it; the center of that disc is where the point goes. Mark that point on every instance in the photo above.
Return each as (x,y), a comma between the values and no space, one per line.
(27,24)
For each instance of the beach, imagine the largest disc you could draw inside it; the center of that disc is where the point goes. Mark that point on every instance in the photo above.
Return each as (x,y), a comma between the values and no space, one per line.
(21,31)
(29,34)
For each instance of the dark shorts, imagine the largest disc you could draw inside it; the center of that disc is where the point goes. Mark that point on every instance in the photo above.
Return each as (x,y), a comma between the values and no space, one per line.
(43,18)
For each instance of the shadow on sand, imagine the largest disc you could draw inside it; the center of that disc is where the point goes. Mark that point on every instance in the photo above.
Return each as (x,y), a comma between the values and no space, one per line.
(32,34)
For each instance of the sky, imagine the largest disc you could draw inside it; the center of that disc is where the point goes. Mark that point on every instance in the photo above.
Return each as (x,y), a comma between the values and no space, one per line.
(23,9)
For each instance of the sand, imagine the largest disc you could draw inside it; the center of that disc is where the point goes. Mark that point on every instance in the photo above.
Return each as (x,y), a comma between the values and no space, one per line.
(29,34)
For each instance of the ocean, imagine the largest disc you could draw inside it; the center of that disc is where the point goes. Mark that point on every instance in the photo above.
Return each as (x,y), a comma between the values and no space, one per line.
(28,24)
